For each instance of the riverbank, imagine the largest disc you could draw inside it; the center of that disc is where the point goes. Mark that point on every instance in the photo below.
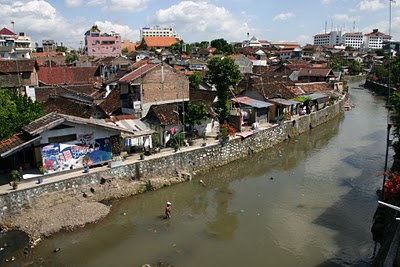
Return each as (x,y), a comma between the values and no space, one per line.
(72,200)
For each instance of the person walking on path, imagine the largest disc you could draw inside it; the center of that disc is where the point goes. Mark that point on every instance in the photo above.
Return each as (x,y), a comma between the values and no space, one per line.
(168,211)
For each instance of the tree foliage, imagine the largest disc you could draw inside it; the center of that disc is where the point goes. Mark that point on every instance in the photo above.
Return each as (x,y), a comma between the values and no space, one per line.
(196,114)
(15,112)
(355,67)
(195,80)
(223,47)
(223,73)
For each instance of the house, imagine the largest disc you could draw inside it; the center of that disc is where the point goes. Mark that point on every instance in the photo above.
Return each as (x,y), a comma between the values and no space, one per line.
(315,75)
(108,66)
(68,76)
(142,139)
(19,74)
(166,120)
(250,110)
(245,65)
(263,87)
(74,105)
(319,101)
(197,64)
(207,98)
(157,43)
(85,92)
(283,107)
(58,143)
(152,84)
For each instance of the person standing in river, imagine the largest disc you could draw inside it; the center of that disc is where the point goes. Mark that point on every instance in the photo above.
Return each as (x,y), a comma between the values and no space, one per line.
(168,211)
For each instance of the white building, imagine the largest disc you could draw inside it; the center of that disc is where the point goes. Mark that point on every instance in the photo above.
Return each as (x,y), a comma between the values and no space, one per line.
(375,39)
(353,39)
(13,45)
(332,38)
(156,31)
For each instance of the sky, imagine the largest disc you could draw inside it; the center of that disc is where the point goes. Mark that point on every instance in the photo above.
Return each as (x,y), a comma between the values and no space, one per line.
(67,21)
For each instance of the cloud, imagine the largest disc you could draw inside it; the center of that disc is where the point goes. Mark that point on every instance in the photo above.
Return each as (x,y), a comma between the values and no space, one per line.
(124,5)
(73,3)
(284,16)
(41,21)
(370,5)
(304,39)
(124,30)
(343,17)
(203,21)
(325,2)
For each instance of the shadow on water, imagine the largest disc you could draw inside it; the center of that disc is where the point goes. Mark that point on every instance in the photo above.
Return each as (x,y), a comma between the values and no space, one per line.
(12,244)
(349,235)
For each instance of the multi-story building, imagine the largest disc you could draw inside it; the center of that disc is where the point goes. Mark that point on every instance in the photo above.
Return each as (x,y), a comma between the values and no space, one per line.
(332,38)
(376,39)
(14,46)
(102,45)
(156,31)
(373,40)
(353,39)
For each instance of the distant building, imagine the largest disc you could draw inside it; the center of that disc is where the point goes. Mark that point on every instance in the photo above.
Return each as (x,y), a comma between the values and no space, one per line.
(156,31)
(102,45)
(376,39)
(14,46)
(332,38)
(128,45)
(357,40)
(353,39)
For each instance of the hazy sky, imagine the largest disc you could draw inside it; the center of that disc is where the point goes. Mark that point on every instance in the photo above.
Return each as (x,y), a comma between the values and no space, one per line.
(273,20)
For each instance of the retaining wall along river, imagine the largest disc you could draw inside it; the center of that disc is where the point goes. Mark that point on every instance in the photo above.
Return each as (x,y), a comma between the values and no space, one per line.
(156,172)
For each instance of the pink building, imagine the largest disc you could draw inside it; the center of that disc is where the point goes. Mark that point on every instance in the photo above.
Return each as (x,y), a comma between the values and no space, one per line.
(102,45)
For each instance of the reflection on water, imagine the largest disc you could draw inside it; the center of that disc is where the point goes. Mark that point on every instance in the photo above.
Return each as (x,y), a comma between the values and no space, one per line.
(306,202)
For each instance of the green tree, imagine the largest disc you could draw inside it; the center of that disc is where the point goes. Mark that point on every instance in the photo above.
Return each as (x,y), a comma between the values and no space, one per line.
(355,67)
(382,73)
(196,114)
(175,48)
(223,73)
(222,45)
(195,80)
(16,111)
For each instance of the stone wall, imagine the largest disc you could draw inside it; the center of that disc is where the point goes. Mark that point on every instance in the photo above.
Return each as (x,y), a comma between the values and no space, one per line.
(154,173)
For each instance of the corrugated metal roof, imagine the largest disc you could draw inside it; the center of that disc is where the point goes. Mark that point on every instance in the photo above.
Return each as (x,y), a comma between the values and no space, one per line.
(315,96)
(251,102)
(284,101)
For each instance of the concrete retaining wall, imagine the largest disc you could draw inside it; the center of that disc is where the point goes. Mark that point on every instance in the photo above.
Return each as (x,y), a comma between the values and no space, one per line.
(161,171)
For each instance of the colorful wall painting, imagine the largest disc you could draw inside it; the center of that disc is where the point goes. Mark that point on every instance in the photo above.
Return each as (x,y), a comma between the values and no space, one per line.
(62,157)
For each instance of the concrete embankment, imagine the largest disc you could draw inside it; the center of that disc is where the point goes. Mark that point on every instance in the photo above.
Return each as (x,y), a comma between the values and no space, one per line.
(30,207)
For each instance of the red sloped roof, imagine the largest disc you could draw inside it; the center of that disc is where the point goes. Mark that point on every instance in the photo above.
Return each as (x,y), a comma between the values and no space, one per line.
(6,31)
(159,41)
(138,72)
(67,75)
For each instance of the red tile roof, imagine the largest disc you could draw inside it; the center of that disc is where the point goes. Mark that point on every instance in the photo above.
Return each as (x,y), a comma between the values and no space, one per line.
(68,106)
(6,31)
(112,103)
(138,72)
(13,66)
(165,113)
(152,41)
(315,72)
(16,141)
(67,75)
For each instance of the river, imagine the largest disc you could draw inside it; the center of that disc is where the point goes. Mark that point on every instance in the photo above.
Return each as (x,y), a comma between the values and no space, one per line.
(306,202)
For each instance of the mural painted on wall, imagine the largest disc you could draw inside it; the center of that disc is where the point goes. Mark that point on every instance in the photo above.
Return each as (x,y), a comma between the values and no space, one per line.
(61,157)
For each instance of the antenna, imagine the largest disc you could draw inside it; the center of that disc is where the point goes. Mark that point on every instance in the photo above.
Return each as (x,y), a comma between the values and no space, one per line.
(326,25)
(354,26)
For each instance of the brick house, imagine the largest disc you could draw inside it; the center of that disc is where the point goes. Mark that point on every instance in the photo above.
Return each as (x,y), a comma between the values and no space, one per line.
(19,74)
(152,84)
